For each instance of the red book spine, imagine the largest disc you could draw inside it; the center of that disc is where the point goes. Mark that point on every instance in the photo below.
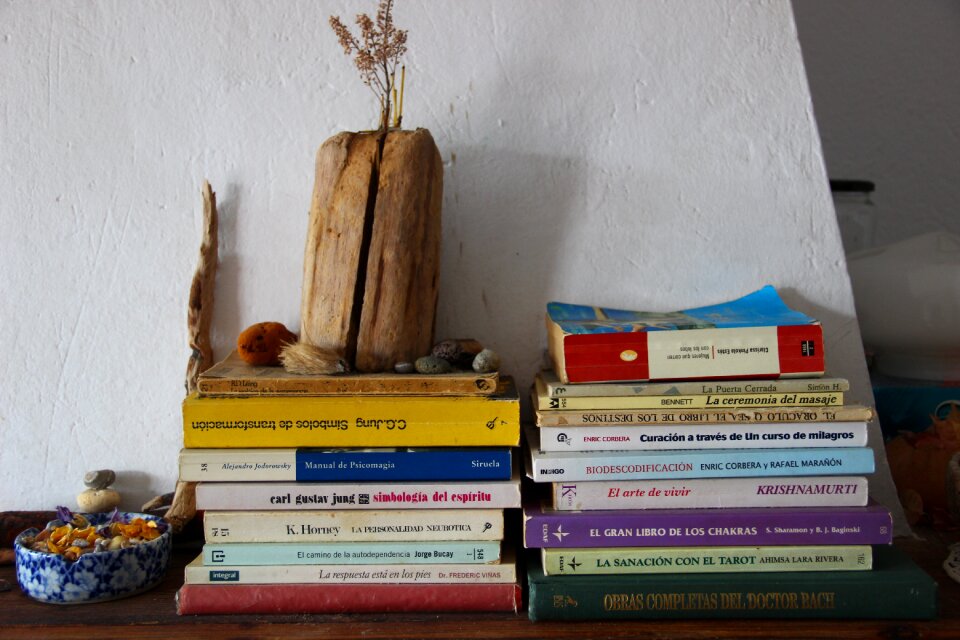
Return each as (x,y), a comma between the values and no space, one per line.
(800,349)
(194,599)
(596,357)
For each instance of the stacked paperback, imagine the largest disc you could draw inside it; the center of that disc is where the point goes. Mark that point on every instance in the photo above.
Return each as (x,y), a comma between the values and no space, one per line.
(353,493)
(698,464)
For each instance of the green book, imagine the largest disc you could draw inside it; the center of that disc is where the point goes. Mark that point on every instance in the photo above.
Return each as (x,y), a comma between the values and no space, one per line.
(895,589)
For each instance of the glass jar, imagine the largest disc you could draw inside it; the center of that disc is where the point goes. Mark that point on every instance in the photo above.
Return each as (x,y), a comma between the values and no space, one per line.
(855,213)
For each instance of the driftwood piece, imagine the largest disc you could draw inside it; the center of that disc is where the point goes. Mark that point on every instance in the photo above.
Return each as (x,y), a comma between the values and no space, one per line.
(403,264)
(199,318)
(200,305)
(183,507)
(335,241)
(371,263)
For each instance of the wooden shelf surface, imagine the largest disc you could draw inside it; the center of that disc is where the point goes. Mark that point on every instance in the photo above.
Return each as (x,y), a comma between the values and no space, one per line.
(153,615)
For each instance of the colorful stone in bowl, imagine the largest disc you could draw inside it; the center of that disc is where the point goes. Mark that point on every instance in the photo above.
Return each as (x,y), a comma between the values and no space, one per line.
(93,577)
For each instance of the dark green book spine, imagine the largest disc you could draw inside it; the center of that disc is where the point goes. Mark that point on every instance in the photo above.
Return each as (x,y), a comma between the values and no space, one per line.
(896,589)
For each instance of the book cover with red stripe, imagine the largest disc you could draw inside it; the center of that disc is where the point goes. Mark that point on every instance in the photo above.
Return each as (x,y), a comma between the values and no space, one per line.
(756,336)
(305,598)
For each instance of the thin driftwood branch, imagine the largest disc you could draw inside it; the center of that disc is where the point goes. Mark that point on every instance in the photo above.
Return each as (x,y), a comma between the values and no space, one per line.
(200,309)
(183,507)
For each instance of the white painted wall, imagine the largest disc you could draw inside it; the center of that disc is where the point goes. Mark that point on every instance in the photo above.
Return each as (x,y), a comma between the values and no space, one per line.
(887,100)
(648,154)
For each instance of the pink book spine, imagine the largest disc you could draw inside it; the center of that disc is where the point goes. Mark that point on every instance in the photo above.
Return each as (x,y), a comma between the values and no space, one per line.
(710,493)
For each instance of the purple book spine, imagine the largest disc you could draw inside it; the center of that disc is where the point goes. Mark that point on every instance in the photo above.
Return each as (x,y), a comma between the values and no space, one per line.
(707,527)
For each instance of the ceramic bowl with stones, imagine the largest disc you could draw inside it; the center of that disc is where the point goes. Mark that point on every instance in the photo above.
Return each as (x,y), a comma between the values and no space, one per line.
(97,576)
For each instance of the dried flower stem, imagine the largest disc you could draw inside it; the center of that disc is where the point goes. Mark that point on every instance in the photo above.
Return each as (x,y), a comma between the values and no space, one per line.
(403,82)
(376,54)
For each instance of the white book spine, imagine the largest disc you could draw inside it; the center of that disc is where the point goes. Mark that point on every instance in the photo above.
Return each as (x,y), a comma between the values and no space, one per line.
(228,465)
(559,466)
(726,436)
(353,526)
(257,496)
(838,491)
(198,573)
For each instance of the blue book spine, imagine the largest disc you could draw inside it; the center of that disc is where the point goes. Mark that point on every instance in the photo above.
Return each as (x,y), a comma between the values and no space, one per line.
(762,308)
(346,465)
(717,463)
(259,553)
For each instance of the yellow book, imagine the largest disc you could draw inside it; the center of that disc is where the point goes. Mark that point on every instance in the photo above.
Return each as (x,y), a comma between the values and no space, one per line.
(544,401)
(353,420)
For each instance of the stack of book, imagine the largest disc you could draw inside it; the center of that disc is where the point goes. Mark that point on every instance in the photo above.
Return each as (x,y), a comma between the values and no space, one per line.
(354,493)
(729,483)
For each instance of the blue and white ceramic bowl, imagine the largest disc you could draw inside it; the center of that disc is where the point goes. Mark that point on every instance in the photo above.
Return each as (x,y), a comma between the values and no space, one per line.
(93,577)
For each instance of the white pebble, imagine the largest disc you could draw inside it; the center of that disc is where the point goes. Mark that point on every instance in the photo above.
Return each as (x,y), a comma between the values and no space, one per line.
(486,361)
(98,500)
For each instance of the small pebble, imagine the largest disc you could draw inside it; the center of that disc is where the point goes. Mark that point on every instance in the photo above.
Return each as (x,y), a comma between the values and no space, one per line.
(449,350)
(487,361)
(459,352)
(470,346)
(432,365)
(99,479)
(404,367)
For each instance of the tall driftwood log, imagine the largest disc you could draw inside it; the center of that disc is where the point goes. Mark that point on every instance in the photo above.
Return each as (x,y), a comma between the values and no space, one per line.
(372,257)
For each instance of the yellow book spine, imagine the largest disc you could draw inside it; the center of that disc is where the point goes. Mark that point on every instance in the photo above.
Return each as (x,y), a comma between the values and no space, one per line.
(350,421)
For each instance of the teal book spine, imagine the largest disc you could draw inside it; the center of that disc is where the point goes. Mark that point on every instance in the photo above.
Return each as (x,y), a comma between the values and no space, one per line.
(240,553)
(895,589)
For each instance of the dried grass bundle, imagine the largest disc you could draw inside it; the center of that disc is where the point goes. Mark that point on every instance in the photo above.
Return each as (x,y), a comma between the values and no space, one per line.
(307,359)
